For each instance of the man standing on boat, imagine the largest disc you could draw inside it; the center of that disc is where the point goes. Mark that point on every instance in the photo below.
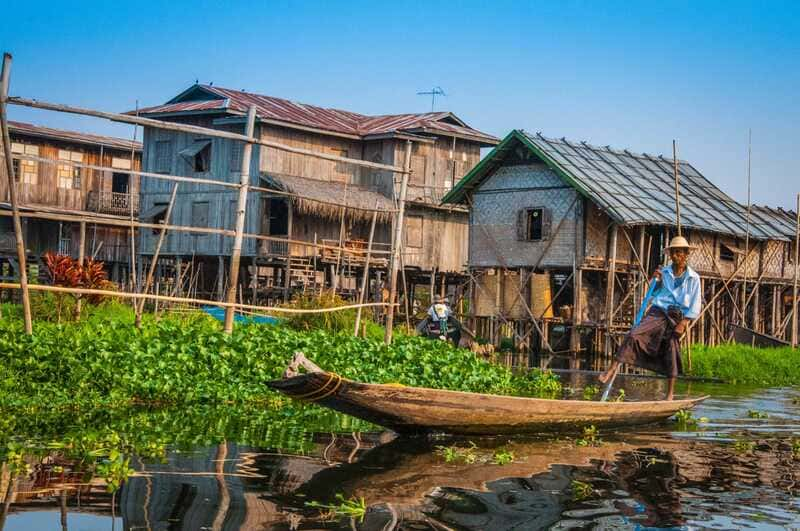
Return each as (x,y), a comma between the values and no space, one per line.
(655,343)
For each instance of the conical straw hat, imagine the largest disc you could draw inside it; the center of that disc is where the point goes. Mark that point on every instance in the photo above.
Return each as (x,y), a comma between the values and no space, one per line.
(679,242)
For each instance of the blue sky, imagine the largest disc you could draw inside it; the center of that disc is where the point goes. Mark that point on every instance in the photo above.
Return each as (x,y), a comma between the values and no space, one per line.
(630,74)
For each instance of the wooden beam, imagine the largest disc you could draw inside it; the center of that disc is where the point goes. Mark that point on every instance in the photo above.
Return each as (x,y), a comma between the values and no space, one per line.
(81,257)
(241,211)
(398,245)
(5,76)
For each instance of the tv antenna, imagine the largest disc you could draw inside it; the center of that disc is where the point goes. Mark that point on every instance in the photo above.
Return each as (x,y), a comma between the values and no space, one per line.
(435,91)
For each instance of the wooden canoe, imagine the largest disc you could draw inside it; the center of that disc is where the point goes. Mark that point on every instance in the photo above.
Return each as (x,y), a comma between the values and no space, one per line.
(420,410)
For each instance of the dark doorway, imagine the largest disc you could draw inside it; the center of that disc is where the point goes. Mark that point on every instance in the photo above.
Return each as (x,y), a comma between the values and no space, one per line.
(278,213)
(119,183)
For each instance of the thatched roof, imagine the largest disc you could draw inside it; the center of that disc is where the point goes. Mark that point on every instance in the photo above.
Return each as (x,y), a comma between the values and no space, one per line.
(326,198)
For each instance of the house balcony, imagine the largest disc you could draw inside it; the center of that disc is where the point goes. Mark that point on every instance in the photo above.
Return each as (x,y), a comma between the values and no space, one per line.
(119,204)
(431,195)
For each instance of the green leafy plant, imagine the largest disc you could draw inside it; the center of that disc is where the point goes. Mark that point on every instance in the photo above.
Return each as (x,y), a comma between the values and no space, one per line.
(744,446)
(581,490)
(352,507)
(685,418)
(796,448)
(539,384)
(454,454)
(503,457)
(620,396)
(590,437)
(755,414)
(590,392)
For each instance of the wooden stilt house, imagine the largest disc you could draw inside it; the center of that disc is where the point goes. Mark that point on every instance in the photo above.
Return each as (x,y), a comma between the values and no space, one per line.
(51,181)
(315,201)
(563,236)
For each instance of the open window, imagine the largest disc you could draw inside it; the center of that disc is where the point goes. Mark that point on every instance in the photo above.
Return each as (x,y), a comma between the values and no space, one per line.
(727,253)
(198,155)
(533,224)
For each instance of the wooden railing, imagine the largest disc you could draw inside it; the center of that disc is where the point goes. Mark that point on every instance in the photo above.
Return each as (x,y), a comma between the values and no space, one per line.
(427,194)
(112,203)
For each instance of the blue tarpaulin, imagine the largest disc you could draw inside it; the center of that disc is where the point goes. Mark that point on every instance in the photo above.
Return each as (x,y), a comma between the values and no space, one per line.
(219,314)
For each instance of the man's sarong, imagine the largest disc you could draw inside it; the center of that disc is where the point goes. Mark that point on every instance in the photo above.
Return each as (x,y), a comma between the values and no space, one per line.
(652,345)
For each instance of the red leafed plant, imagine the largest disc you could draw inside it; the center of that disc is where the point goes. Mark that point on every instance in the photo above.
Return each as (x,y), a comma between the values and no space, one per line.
(67,272)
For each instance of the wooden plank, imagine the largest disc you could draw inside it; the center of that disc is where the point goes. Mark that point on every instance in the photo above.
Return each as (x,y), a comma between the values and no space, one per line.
(610,282)
(397,243)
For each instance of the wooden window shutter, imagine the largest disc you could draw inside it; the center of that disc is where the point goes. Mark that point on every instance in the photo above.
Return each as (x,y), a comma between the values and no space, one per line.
(547,223)
(522,224)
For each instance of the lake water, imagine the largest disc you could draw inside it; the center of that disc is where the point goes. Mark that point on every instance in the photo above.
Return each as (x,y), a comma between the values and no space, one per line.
(262,468)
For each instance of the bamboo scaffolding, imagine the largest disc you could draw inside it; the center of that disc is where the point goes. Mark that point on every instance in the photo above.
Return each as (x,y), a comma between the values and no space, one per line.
(186,300)
(161,236)
(115,222)
(5,76)
(241,208)
(194,129)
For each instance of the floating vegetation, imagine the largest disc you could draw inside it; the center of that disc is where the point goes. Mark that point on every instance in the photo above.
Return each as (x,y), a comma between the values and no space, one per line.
(503,457)
(744,446)
(620,396)
(352,507)
(102,360)
(755,414)
(590,392)
(453,454)
(685,419)
(590,437)
(581,490)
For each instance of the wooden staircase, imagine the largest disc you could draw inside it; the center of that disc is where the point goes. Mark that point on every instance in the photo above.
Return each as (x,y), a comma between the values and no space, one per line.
(302,273)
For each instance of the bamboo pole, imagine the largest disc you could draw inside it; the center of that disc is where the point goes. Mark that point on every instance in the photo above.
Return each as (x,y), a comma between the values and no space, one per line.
(398,245)
(81,257)
(747,233)
(151,271)
(185,300)
(197,130)
(796,275)
(80,216)
(610,281)
(365,278)
(241,208)
(5,76)
(677,191)
(134,273)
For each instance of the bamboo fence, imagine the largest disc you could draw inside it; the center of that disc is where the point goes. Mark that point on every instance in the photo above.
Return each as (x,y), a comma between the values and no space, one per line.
(19,211)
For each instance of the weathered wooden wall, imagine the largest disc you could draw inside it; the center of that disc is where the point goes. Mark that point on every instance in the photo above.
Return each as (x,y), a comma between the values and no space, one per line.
(46,190)
(443,235)
(192,198)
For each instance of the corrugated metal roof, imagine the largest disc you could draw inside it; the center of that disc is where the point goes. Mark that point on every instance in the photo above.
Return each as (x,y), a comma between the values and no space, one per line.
(22,128)
(637,188)
(210,98)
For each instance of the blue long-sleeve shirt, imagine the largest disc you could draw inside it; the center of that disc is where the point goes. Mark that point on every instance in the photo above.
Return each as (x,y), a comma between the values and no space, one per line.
(682,291)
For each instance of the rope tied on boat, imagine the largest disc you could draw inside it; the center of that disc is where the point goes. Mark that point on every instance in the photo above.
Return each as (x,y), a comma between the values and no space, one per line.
(332,376)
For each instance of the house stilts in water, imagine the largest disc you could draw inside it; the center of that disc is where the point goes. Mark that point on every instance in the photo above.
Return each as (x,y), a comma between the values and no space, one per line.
(303,201)
(564,235)
(55,183)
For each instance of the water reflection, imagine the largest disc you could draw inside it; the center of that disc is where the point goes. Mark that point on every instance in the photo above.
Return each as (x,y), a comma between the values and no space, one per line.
(260,470)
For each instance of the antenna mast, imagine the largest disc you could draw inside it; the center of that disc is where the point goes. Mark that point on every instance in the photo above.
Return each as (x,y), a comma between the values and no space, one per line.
(435,91)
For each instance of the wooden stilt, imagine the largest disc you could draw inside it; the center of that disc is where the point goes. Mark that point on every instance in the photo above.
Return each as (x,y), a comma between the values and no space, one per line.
(610,282)
(5,76)
(365,277)
(398,246)
(241,207)
(81,258)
